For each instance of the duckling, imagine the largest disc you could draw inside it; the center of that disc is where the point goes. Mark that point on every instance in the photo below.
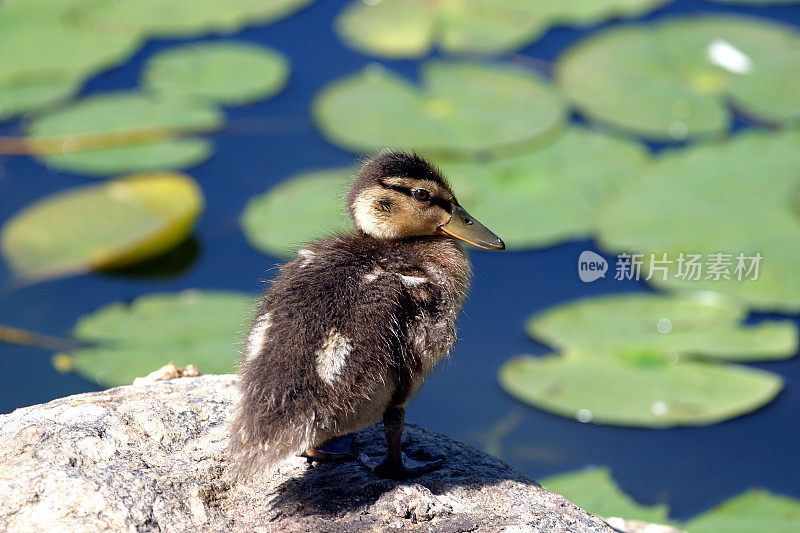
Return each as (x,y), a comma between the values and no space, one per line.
(348,330)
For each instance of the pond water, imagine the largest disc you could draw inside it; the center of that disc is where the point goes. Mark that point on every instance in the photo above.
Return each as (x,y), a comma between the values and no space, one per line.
(691,469)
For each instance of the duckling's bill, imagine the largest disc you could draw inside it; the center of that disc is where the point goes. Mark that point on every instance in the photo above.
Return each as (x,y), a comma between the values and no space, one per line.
(464,227)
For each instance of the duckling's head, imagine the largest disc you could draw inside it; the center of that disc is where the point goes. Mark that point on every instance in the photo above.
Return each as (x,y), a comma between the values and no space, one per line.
(397,195)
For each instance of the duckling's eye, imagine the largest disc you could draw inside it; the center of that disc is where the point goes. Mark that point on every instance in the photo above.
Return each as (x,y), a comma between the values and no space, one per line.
(421,194)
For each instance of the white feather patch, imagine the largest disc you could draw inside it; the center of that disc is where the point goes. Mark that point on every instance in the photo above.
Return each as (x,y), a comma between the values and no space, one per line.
(306,255)
(258,336)
(332,357)
(372,276)
(412,281)
(436,275)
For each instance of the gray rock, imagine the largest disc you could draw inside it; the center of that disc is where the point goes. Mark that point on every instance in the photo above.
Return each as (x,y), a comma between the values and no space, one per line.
(151,458)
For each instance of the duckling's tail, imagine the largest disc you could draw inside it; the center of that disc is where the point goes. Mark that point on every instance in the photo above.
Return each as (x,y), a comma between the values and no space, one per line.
(260,440)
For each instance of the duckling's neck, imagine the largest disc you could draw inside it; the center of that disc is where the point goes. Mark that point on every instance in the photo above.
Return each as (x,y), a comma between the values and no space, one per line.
(445,262)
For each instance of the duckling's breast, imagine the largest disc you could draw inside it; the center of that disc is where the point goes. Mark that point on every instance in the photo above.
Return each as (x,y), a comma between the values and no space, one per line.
(437,298)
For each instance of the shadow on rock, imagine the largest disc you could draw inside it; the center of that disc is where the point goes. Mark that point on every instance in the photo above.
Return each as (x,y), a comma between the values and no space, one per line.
(336,488)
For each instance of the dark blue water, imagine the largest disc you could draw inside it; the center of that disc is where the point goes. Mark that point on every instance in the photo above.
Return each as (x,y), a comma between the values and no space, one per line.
(691,469)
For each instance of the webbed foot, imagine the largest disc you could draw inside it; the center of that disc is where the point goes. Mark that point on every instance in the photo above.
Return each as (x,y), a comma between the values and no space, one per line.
(395,464)
(405,468)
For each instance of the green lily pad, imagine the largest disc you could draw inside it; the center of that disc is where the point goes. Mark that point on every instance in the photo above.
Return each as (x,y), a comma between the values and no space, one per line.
(298,210)
(754,510)
(594,489)
(141,132)
(31,91)
(183,18)
(672,80)
(118,223)
(733,198)
(550,192)
(648,360)
(46,58)
(226,72)
(461,107)
(703,324)
(50,47)
(38,36)
(203,328)
(410,28)
(642,389)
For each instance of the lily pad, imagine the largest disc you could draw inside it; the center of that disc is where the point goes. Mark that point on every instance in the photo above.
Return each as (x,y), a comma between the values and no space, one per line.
(672,80)
(46,58)
(410,28)
(50,47)
(596,491)
(648,360)
(550,192)
(462,108)
(754,510)
(300,209)
(704,324)
(118,223)
(731,199)
(182,18)
(129,340)
(641,389)
(31,91)
(226,72)
(38,36)
(131,131)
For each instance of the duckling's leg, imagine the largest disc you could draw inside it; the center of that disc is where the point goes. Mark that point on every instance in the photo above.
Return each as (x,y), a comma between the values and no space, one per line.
(336,449)
(395,464)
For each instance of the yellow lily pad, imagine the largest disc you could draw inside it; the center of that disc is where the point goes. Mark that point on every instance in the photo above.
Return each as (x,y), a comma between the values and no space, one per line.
(117,223)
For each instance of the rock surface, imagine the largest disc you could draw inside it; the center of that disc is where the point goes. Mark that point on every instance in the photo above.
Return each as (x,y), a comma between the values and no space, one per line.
(151,458)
